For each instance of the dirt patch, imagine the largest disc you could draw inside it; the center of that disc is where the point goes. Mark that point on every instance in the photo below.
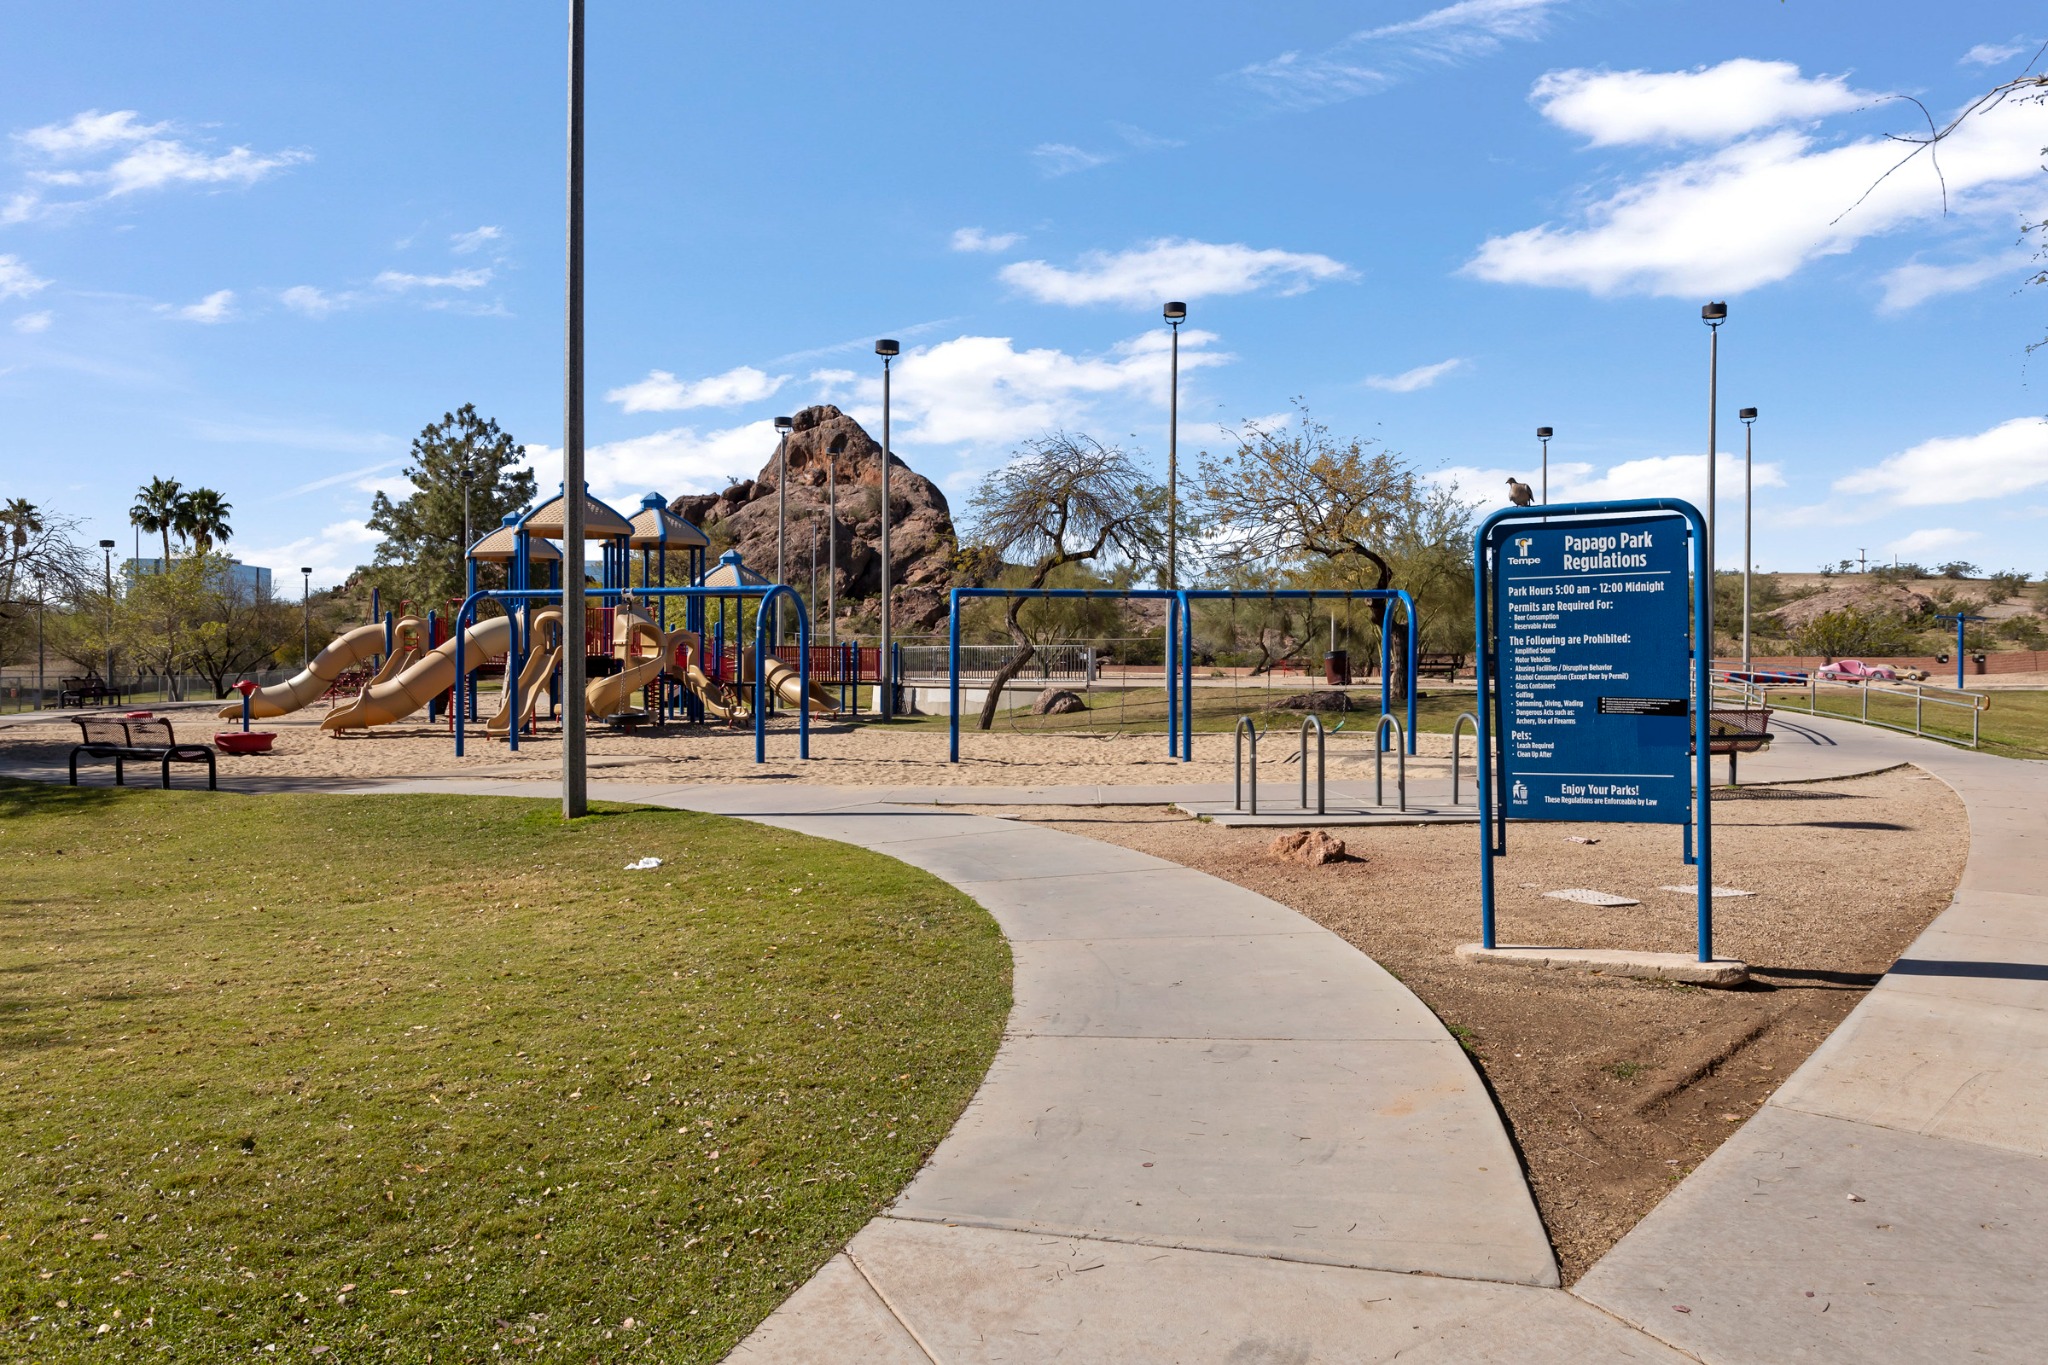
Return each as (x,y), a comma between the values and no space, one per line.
(1614,1089)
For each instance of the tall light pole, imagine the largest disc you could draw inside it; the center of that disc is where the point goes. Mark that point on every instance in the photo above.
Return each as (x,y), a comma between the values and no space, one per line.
(107,549)
(888,350)
(1543,435)
(782,426)
(306,604)
(832,551)
(575,776)
(1748,416)
(42,596)
(1176,313)
(1713,314)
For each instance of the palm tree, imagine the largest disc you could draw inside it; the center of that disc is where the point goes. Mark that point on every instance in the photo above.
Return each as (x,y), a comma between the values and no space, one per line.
(22,519)
(156,510)
(203,515)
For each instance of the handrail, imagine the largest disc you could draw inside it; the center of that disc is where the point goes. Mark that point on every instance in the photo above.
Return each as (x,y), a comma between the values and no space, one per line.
(1479,759)
(1244,727)
(1379,756)
(1306,722)
(1922,695)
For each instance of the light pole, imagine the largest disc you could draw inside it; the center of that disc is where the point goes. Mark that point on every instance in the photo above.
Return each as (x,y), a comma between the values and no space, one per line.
(575,776)
(306,603)
(782,426)
(888,350)
(832,550)
(41,597)
(1176,313)
(1543,435)
(1713,314)
(107,549)
(1748,416)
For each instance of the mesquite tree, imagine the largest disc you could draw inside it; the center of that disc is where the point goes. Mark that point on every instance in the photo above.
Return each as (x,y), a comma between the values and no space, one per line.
(1064,499)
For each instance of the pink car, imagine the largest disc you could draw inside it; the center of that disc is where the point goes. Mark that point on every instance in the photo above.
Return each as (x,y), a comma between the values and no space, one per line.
(1855,670)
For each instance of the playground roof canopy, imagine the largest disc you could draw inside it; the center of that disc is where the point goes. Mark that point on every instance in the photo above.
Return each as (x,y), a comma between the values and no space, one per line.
(599,521)
(655,528)
(499,546)
(732,572)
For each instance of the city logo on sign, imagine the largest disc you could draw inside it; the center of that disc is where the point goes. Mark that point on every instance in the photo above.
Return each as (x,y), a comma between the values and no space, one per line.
(1521,554)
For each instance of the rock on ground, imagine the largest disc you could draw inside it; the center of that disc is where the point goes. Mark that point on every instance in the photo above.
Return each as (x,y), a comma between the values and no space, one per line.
(1310,846)
(1057,701)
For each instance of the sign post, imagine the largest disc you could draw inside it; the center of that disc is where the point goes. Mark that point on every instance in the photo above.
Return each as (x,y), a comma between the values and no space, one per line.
(1594,676)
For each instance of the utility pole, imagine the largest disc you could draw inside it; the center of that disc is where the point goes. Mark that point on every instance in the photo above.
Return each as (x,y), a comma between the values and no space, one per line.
(887,349)
(575,775)
(1713,314)
(1176,313)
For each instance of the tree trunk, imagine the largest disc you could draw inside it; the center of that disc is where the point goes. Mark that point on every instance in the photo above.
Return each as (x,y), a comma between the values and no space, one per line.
(1011,666)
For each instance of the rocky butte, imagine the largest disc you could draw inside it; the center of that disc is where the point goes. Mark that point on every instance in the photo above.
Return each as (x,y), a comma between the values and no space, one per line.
(922,545)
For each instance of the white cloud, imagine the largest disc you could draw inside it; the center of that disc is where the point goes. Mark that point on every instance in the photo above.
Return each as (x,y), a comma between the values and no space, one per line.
(1061,158)
(1991,54)
(399,281)
(661,391)
(1373,59)
(974,239)
(462,243)
(28,324)
(314,303)
(1915,282)
(1172,268)
(133,157)
(17,281)
(296,435)
(332,553)
(2009,458)
(1421,377)
(984,391)
(1932,540)
(1756,212)
(218,306)
(1656,476)
(1709,104)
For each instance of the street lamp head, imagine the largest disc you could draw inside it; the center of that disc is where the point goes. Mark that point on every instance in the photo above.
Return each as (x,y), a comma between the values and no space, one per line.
(887,347)
(1747,414)
(1176,312)
(1543,433)
(307,571)
(106,545)
(783,424)
(1714,314)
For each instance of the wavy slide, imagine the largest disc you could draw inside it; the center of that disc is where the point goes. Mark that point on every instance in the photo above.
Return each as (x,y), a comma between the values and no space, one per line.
(533,680)
(398,697)
(303,689)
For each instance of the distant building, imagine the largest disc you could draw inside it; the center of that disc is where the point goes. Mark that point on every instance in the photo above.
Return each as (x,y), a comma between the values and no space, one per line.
(247,578)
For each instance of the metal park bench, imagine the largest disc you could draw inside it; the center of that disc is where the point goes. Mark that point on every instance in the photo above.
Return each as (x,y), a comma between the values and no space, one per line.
(1447,662)
(1734,730)
(79,691)
(147,741)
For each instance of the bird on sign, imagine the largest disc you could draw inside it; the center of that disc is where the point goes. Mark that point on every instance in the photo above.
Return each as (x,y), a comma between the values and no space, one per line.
(1519,493)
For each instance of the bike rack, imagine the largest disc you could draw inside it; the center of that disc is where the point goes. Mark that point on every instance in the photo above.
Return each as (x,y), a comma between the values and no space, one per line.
(1379,761)
(1479,760)
(1244,727)
(1306,722)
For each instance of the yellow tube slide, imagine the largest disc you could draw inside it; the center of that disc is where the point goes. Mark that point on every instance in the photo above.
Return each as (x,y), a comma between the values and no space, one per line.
(341,654)
(396,698)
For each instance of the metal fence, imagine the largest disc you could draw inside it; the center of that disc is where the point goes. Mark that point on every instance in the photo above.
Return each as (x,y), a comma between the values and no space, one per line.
(978,663)
(1929,705)
(20,693)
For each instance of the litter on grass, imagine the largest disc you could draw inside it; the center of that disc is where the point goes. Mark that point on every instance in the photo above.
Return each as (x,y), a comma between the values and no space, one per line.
(644,865)
(1720,892)
(1588,897)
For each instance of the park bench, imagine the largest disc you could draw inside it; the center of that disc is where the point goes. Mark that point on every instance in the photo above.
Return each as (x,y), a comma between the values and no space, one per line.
(1734,730)
(1448,662)
(147,741)
(79,691)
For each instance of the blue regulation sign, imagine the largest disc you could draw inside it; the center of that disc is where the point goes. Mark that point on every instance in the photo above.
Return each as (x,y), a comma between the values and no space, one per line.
(1595,667)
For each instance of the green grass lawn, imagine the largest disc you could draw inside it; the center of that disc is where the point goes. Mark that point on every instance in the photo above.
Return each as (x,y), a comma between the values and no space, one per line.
(426,1078)
(2015,725)
(1142,710)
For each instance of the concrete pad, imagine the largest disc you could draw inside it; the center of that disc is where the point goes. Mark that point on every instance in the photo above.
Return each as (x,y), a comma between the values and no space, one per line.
(1992,971)
(1947,1068)
(1309,985)
(881,827)
(834,1316)
(1386,1155)
(1722,971)
(1135,904)
(975,1294)
(2018,916)
(1942,1261)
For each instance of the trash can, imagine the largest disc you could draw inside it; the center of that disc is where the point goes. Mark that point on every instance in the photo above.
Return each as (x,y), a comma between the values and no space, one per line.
(1337,667)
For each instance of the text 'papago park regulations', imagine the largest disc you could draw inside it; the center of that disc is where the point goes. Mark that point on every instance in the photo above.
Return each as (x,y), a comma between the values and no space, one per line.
(1595,662)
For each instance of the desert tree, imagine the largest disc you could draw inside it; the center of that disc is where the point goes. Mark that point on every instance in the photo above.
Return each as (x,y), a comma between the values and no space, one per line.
(1063,499)
(422,554)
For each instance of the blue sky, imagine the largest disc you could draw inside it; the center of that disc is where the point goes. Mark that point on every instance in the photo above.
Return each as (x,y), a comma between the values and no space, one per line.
(259,246)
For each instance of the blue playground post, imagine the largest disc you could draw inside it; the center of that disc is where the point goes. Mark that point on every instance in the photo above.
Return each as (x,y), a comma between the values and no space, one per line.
(1961,619)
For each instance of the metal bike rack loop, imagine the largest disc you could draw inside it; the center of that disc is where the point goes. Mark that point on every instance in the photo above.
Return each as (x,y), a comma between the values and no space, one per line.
(1306,722)
(1245,727)
(1379,761)
(1478,763)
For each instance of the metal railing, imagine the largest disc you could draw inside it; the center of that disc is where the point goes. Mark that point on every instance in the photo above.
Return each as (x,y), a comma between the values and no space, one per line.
(1048,663)
(1948,703)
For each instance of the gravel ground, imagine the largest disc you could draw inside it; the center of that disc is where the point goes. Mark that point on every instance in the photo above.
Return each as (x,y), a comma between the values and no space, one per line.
(1615,1088)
